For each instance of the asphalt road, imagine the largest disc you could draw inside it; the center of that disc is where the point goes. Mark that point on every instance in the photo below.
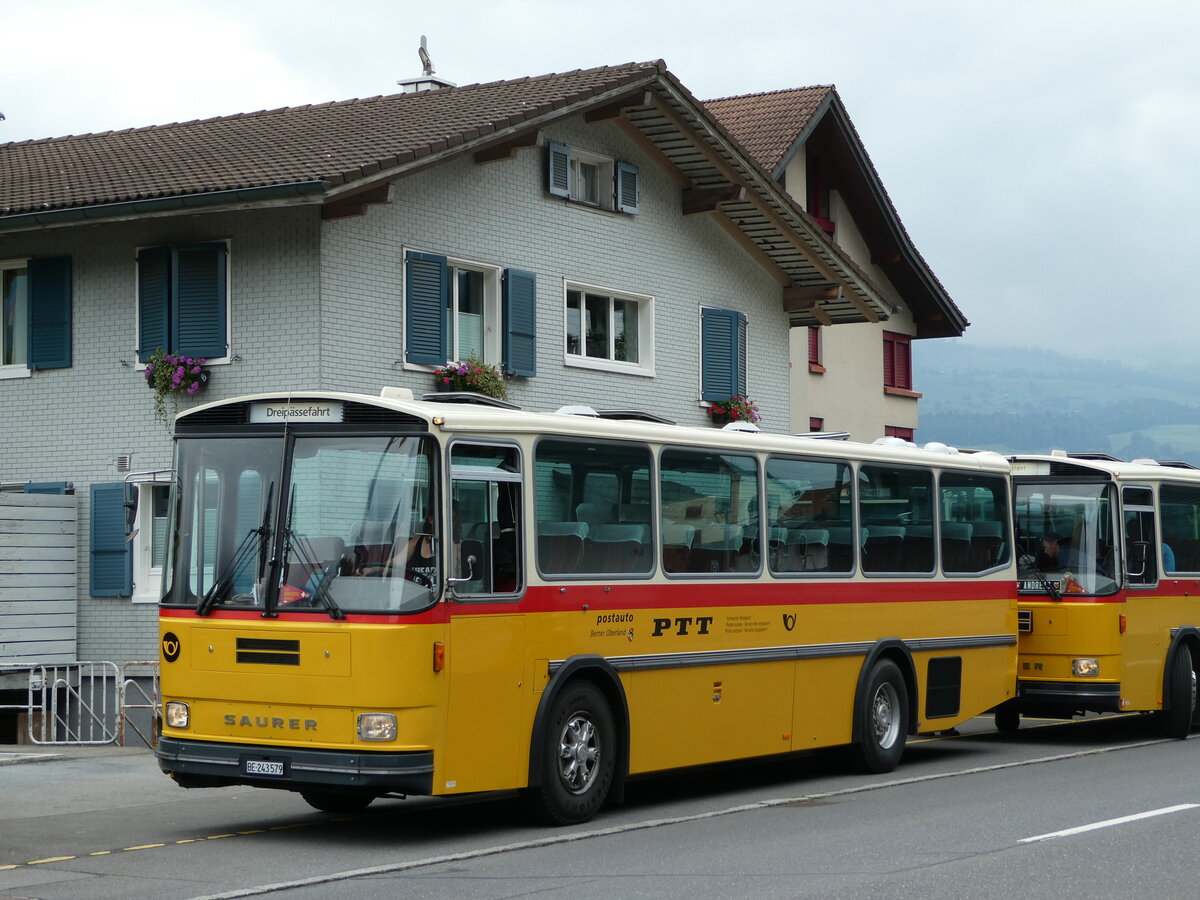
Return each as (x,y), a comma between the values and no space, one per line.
(1100,808)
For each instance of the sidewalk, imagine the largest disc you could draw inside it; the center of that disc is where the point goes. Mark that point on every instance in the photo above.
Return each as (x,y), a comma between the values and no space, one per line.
(12,754)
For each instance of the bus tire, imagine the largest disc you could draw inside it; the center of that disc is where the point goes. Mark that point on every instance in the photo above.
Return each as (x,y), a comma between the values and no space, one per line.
(882,719)
(349,801)
(1177,718)
(1008,720)
(579,759)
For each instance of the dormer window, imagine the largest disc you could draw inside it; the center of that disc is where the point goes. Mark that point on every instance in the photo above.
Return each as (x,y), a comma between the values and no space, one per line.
(592,180)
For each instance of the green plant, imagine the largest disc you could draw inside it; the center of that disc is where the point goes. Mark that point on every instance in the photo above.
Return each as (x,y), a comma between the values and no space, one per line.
(736,409)
(472,375)
(169,375)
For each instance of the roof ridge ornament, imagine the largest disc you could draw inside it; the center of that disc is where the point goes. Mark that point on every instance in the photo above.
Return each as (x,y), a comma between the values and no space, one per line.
(426,81)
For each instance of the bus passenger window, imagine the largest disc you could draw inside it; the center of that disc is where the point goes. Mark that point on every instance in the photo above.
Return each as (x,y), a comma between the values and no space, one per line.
(1179,521)
(894,510)
(486,519)
(716,495)
(808,510)
(974,522)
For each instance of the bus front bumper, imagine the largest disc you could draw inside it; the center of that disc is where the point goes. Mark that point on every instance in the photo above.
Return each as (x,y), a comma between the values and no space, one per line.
(211,764)
(1068,695)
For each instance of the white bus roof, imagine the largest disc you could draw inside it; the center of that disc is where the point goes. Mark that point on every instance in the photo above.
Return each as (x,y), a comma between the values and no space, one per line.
(475,418)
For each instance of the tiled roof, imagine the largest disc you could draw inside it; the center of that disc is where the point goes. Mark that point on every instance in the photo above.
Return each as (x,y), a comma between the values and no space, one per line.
(767,125)
(331,142)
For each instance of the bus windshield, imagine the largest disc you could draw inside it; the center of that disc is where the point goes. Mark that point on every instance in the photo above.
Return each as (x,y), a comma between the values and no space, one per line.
(349,524)
(1065,535)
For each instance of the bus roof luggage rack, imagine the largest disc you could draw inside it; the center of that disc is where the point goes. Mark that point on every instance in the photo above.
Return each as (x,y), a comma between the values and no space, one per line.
(1097,455)
(467,397)
(825,435)
(635,414)
(1177,464)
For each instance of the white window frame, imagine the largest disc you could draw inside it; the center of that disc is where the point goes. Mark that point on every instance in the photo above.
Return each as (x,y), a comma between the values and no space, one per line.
(18,370)
(605,185)
(147,577)
(491,309)
(137,302)
(645,305)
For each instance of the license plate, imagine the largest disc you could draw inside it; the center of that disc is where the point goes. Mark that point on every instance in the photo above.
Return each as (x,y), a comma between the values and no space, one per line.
(263,767)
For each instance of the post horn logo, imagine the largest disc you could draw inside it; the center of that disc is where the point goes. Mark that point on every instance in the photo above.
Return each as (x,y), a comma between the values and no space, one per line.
(170,647)
(789,621)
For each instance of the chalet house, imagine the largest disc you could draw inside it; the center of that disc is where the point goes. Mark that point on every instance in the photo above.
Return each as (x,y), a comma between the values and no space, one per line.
(857,379)
(599,235)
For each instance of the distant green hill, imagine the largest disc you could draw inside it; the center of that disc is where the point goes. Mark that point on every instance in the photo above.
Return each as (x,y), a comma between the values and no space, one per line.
(1020,399)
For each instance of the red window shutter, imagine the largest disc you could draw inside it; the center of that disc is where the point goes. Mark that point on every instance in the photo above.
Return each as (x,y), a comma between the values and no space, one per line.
(816,424)
(814,344)
(897,360)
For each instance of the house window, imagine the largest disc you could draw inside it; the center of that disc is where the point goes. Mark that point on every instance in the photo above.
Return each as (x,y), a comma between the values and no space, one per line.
(150,541)
(456,309)
(183,301)
(592,179)
(35,315)
(723,354)
(609,330)
(814,350)
(898,431)
(816,423)
(14,325)
(897,361)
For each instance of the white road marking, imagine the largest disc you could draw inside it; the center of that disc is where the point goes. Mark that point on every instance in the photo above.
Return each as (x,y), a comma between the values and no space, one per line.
(1109,823)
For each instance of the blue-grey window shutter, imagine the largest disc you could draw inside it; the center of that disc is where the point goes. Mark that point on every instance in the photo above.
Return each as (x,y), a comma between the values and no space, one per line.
(558,158)
(723,350)
(50,313)
(427,290)
(154,284)
(520,322)
(628,188)
(198,308)
(46,487)
(111,554)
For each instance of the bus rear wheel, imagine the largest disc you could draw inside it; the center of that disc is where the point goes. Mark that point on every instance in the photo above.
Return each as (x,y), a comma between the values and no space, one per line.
(578,758)
(882,719)
(349,801)
(1177,718)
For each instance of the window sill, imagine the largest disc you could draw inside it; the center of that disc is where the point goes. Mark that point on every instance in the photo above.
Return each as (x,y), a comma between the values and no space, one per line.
(901,392)
(816,368)
(606,365)
(15,372)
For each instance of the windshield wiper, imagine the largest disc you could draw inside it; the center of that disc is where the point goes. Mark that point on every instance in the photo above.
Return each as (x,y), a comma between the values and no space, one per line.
(224,579)
(1030,563)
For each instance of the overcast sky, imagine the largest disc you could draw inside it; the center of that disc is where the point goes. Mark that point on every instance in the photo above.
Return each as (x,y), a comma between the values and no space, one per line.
(1042,155)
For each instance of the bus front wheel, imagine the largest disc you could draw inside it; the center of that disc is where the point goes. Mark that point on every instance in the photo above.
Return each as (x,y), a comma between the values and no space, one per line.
(578,757)
(1177,718)
(337,801)
(882,718)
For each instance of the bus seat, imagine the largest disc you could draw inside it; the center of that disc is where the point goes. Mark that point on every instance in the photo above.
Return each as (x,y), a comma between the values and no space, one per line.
(635,512)
(561,546)
(956,546)
(883,549)
(918,548)
(595,513)
(677,545)
(618,548)
(841,546)
(806,550)
(718,548)
(987,539)
(373,543)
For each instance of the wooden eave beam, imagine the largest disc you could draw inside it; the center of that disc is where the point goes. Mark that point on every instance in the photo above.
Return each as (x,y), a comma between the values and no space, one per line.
(788,232)
(617,108)
(735,232)
(508,149)
(650,148)
(808,299)
(707,200)
(355,204)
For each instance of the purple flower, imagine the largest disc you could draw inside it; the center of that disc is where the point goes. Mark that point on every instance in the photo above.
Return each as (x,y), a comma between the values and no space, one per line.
(195,370)
(192,388)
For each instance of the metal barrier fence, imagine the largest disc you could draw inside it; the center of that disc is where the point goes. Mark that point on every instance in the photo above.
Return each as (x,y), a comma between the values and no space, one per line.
(92,703)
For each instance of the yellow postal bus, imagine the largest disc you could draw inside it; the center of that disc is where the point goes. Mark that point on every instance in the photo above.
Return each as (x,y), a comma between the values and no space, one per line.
(371,595)
(1109,588)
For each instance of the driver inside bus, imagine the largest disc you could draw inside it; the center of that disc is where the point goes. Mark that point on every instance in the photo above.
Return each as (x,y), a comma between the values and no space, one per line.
(418,560)
(1057,554)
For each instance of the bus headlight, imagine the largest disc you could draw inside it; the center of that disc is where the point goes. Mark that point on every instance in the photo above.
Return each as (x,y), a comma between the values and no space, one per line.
(177,714)
(1085,668)
(377,726)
